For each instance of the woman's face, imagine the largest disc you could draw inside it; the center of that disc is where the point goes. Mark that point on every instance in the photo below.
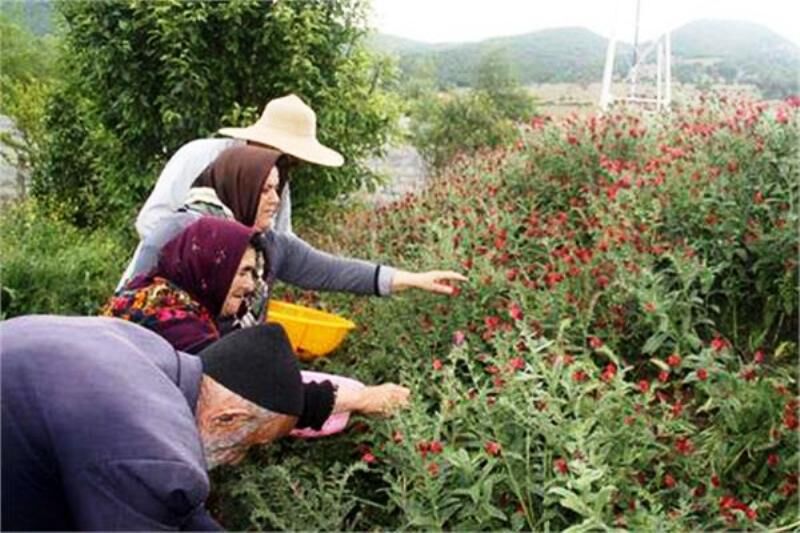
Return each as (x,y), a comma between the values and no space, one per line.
(244,283)
(269,202)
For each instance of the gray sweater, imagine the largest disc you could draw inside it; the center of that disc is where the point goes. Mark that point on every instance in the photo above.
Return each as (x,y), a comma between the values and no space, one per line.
(291,260)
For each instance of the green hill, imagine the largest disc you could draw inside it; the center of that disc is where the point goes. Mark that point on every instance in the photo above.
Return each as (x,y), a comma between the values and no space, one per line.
(703,51)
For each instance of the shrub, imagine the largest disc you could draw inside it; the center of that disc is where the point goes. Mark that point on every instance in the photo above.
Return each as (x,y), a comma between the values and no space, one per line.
(620,356)
(147,77)
(50,266)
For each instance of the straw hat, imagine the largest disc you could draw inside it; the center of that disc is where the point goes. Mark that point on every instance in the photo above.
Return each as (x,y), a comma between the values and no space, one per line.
(289,125)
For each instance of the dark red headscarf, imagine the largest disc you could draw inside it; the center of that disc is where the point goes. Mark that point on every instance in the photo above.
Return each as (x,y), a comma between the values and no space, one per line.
(238,175)
(204,258)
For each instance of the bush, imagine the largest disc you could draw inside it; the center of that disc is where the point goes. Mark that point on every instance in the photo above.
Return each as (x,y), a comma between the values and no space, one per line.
(443,126)
(623,355)
(50,266)
(147,77)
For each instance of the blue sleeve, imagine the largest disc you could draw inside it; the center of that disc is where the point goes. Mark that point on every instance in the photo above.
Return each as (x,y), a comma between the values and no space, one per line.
(140,494)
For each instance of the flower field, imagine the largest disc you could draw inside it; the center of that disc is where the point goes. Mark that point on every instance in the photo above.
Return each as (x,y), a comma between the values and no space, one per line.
(624,355)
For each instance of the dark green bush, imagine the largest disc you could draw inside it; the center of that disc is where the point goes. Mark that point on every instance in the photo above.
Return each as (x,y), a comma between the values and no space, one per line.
(50,266)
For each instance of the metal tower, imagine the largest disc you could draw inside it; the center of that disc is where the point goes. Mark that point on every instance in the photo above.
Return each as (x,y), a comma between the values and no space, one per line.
(648,85)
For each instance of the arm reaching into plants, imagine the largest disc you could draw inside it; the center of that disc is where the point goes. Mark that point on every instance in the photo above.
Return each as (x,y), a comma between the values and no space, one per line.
(381,399)
(432,281)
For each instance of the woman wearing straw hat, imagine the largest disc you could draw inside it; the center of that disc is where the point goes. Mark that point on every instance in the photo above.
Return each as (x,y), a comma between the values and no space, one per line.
(287,125)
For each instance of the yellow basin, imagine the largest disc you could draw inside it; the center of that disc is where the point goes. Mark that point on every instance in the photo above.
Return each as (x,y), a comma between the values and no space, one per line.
(313,333)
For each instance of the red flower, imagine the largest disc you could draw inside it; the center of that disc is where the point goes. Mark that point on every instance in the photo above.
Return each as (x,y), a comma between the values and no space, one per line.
(595,342)
(674,360)
(492,369)
(397,437)
(609,372)
(649,307)
(699,491)
(458,337)
(758,357)
(433,469)
(492,322)
(684,446)
(435,446)
(560,466)
(677,409)
(517,363)
(437,364)
(492,448)
(644,386)
(663,376)
(718,344)
(368,458)
(773,460)
(702,374)
(715,481)
(669,481)
(515,311)
(579,376)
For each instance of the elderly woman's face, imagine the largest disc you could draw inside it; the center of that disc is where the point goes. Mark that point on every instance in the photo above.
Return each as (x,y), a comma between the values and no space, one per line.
(244,283)
(269,202)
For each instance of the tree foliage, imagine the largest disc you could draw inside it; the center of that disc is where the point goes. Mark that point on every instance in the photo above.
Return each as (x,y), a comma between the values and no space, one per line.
(149,76)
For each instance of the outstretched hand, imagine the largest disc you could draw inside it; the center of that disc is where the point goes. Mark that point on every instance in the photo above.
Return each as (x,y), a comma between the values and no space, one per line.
(433,281)
(383,399)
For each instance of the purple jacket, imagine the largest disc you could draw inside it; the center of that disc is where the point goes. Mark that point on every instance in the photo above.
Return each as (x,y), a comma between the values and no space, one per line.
(98,428)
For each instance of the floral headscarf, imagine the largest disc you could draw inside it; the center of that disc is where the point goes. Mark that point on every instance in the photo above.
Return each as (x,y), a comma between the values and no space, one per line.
(182,297)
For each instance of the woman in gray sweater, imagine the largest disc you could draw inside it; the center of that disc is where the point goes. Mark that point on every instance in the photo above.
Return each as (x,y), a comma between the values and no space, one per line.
(244,184)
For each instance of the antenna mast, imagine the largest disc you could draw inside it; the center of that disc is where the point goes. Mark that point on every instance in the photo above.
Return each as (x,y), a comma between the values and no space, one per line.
(657,92)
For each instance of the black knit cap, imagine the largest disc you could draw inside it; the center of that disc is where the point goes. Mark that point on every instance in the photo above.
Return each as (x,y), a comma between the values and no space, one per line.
(258,364)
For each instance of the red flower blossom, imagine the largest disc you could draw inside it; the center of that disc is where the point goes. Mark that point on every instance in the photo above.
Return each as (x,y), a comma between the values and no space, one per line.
(492,322)
(437,364)
(758,357)
(718,344)
(517,363)
(435,446)
(433,469)
(595,342)
(458,337)
(773,460)
(609,372)
(649,307)
(579,376)
(368,458)
(699,491)
(677,409)
(669,481)
(644,386)
(702,374)
(560,466)
(492,448)
(715,481)
(663,376)
(515,311)
(397,437)
(684,446)
(674,360)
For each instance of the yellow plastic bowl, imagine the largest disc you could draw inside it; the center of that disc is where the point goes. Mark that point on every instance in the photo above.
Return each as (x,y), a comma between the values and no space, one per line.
(313,333)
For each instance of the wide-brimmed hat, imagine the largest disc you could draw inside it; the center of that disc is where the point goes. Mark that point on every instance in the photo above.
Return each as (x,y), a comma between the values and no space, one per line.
(289,125)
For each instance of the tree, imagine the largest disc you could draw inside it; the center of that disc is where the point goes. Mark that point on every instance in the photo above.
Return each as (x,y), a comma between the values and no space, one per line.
(148,76)
(497,78)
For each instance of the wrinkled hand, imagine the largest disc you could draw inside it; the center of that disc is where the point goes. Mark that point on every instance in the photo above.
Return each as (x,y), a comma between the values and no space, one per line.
(432,281)
(383,399)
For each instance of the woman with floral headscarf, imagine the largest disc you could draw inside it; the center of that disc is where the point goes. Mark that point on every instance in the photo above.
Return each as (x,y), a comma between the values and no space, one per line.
(204,275)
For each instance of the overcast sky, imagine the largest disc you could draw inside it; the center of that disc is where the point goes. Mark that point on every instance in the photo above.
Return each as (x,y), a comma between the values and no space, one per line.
(435,21)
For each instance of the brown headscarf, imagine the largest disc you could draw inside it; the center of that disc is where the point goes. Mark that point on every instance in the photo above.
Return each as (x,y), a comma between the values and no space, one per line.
(238,175)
